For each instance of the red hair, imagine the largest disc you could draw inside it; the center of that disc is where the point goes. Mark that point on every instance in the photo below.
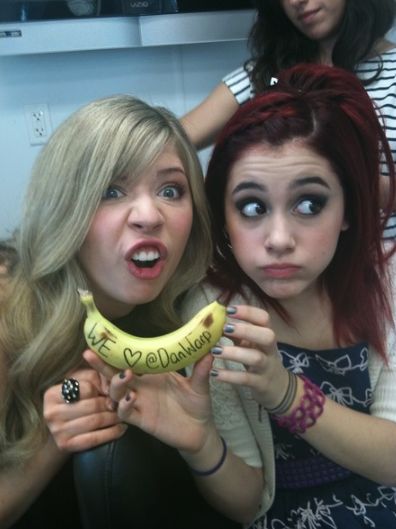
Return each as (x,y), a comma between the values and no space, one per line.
(330,111)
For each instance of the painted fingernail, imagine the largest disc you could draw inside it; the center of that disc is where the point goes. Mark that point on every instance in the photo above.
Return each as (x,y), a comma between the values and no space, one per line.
(127,397)
(113,405)
(216,350)
(231,309)
(214,373)
(229,328)
(122,374)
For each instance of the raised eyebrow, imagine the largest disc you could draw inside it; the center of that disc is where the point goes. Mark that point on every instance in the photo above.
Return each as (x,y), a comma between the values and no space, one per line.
(162,173)
(170,170)
(309,180)
(249,185)
(120,178)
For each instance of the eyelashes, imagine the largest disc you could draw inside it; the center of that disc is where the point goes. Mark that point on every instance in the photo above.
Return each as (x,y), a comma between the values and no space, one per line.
(172,191)
(251,207)
(305,205)
(311,205)
(112,192)
(169,192)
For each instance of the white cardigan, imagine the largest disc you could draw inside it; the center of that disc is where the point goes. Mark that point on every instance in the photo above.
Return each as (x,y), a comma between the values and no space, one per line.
(236,413)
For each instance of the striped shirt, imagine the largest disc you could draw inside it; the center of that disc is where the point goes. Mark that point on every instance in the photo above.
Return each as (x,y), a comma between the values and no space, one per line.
(382,91)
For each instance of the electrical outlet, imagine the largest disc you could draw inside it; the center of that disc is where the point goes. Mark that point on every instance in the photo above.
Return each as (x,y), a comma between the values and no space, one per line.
(38,123)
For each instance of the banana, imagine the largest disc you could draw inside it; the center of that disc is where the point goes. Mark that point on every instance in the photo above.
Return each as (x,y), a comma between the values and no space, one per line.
(160,354)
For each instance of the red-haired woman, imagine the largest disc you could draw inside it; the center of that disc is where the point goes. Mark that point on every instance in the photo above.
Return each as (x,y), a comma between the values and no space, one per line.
(293,184)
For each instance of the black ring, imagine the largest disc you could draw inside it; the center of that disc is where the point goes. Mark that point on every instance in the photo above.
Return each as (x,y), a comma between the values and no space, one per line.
(70,390)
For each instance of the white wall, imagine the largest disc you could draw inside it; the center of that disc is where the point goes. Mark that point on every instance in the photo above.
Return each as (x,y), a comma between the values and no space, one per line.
(177,77)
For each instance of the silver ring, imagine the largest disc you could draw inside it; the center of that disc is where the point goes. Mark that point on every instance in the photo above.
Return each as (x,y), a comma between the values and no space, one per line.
(70,390)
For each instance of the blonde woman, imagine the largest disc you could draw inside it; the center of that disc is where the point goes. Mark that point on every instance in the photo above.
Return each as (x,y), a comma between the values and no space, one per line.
(117,178)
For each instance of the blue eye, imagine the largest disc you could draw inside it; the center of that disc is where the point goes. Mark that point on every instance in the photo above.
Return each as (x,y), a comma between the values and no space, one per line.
(251,208)
(172,192)
(310,205)
(112,192)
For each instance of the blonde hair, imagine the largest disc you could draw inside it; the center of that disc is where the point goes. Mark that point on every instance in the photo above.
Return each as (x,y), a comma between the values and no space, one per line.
(41,319)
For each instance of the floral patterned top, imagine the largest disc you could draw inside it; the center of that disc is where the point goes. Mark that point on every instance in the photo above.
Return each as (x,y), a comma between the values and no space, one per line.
(313,492)
(303,489)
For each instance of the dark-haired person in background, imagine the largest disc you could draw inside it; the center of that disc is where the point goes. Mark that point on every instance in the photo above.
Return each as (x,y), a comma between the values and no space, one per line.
(345,33)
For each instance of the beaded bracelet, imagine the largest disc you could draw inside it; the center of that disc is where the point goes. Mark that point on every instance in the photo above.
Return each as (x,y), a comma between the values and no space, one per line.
(217,465)
(307,412)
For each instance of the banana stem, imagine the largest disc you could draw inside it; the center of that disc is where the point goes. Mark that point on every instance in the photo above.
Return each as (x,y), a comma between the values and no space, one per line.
(87,299)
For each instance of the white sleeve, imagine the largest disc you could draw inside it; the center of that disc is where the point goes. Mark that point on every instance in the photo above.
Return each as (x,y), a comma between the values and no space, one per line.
(384,388)
(236,412)
(228,412)
(382,374)
(232,422)
(239,84)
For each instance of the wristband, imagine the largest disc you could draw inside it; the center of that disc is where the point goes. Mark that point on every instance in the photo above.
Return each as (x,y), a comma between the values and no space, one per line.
(289,397)
(217,465)
(307,412)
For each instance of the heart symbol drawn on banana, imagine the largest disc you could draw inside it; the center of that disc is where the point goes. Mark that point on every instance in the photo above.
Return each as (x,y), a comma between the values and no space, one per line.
(159,354)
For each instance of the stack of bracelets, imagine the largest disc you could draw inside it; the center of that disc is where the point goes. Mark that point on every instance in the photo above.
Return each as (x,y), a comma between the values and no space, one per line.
(302,417)
(308,410)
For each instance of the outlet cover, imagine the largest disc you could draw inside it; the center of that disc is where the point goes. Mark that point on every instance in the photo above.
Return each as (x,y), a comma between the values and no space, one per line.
(38,123)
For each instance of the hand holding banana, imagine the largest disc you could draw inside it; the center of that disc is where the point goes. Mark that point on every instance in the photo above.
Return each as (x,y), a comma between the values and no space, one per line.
(169,352)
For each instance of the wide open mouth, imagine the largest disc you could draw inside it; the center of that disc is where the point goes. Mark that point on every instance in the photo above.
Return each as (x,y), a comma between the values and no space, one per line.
(146,258)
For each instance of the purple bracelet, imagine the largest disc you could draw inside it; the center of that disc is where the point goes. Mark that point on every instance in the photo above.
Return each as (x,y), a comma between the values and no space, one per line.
(307,412)
(217,465)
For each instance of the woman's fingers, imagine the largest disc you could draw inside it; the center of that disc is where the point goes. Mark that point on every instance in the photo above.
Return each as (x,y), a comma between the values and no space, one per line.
(91,439)
(121,384)
(89,384)
(82,424)
(249,327)
(67,422)
(253,315)
(238,377)
(99,365)
(252,359)
(200,375)
(248,336)
(127,410)
(57,408)
(255,348)
(85,422)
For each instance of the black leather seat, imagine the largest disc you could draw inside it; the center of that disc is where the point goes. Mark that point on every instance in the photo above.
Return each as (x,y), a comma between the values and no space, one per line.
(56,507)
(137,482)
